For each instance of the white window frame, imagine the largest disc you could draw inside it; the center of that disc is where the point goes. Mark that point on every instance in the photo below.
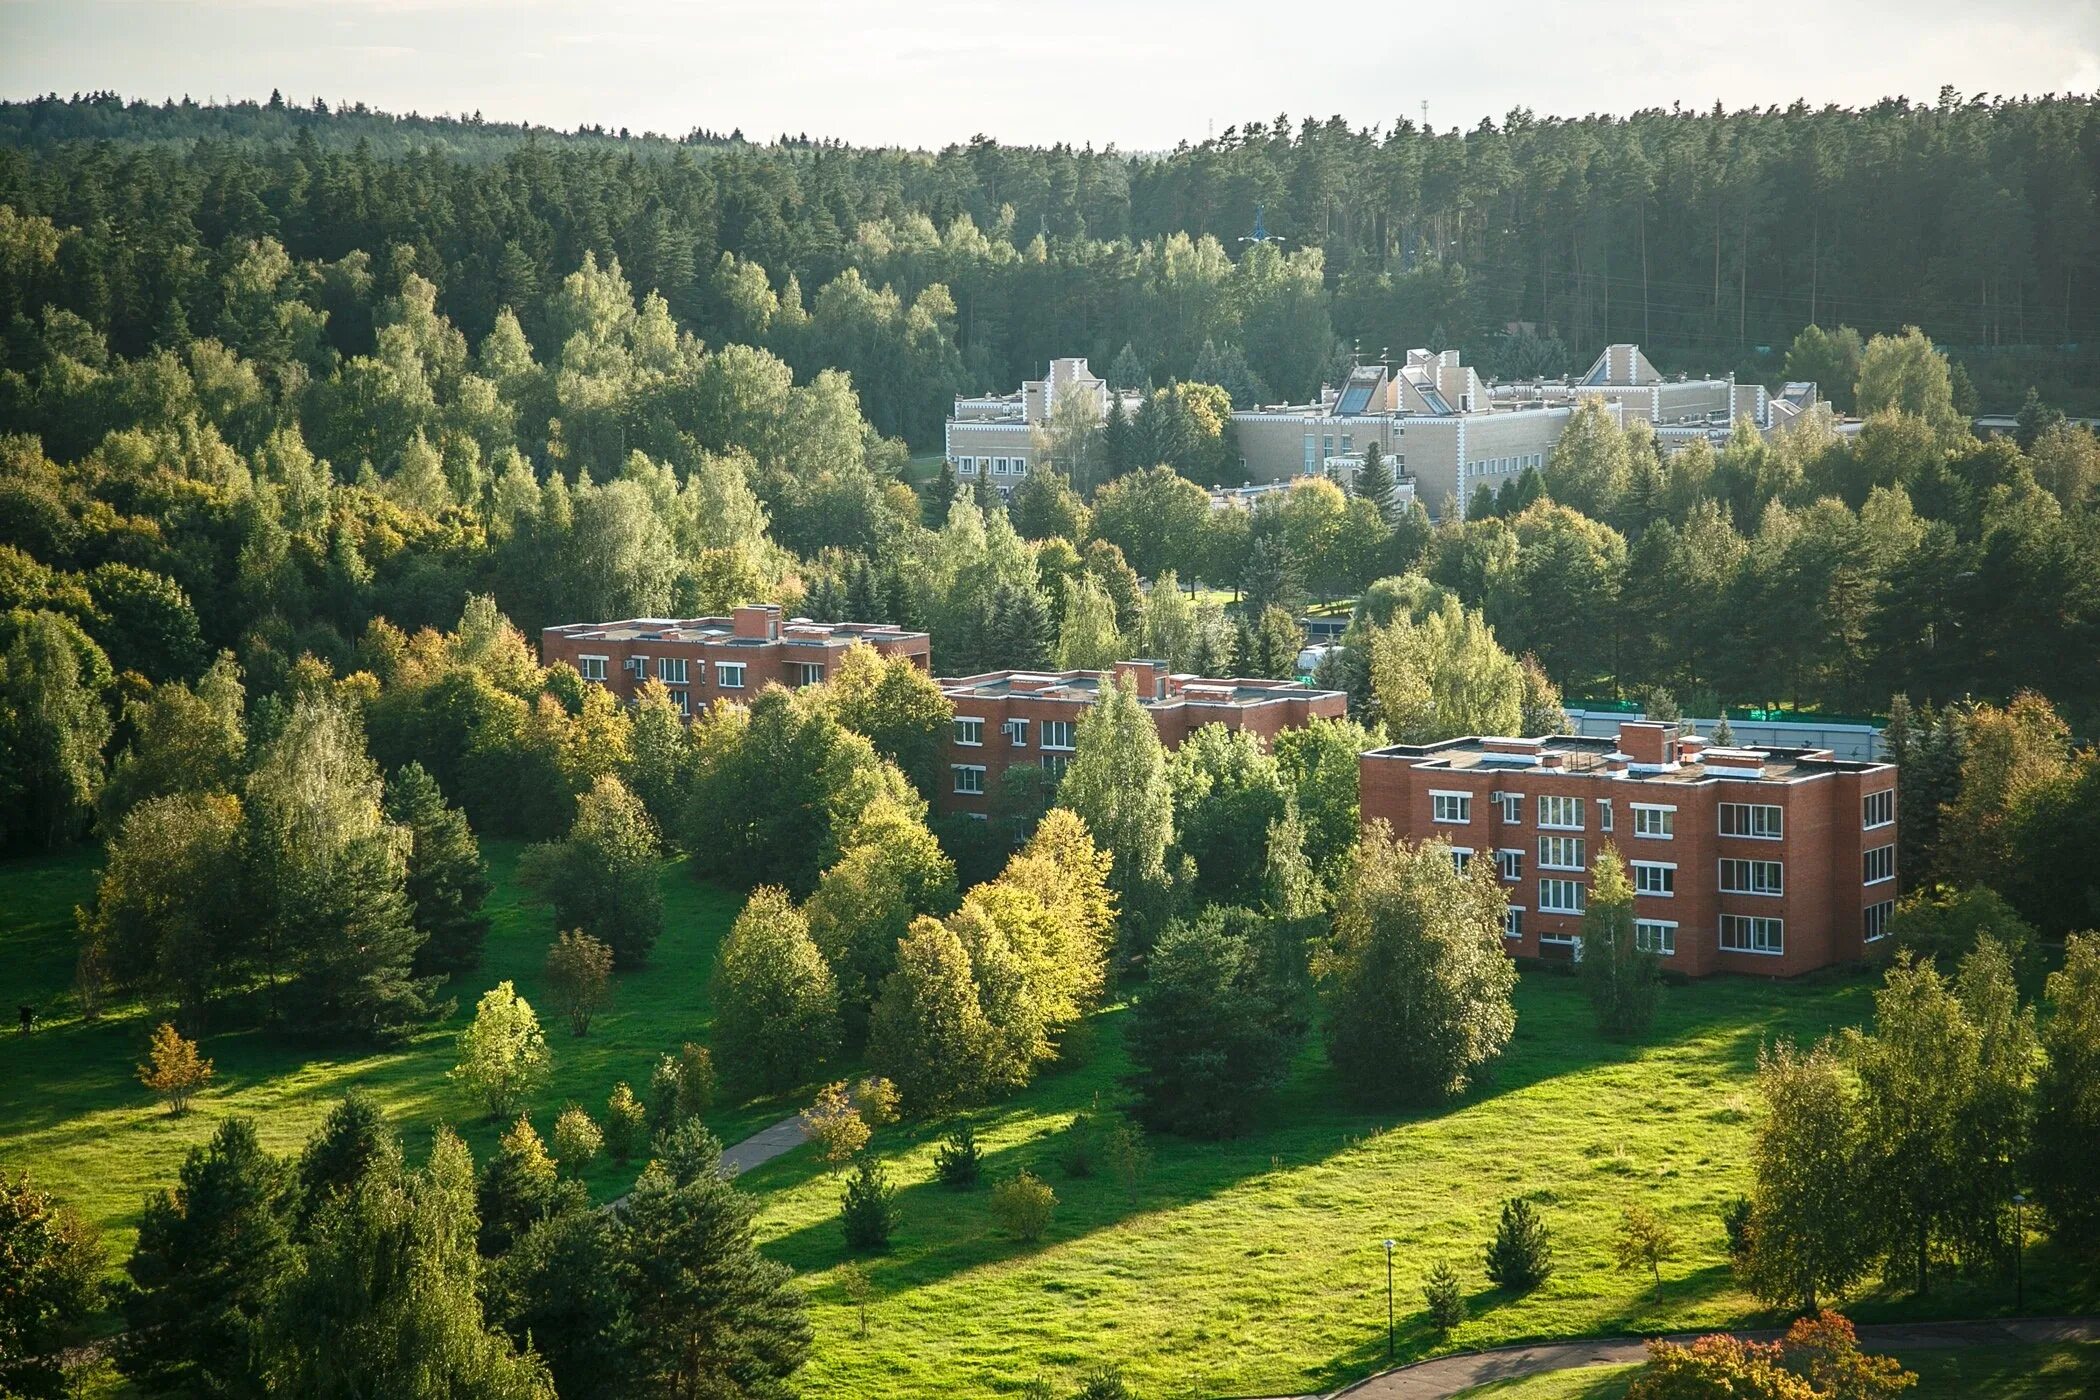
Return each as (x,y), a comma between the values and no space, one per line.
(592,668)
(1750,932)
(808,673)
(1461,857)
(1747,817)
(1551,901)
(683,699)
(1513,921)
(969,731)
(1056,762)
(1057,734)
(671,670)
(1657,936)
(1509,864)
(966,466)
(1563,853)
(1016,731)
(1509,806)
(1661,874)
(1604,814)
(1886,864)
(1750,873)
(1444,802)
(963,772)
(1553,809)
(1654,821)
(723,671)
(1877,809)
(1874,920)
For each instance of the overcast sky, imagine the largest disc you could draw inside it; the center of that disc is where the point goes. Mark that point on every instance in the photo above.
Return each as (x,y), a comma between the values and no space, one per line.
(1141,73)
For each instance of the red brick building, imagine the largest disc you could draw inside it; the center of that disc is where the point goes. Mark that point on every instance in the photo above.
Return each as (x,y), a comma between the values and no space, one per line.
(1772,861)
(701,659)
(1003,718)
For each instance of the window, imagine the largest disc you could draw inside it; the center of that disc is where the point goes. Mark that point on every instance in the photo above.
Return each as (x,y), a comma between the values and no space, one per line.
(1561,853)
(1055,764)
(591,668)
(1657,936)
(1752,877)
(1510,864)
(1513,922)
(1461,857)
(1347,443)
(1603,814)
(1879,864)
(1878,809)
(1016,733)
(1740,933)
(1650,877)
(1057,734)
(1509,806)
(1560,897)
(969,777)
(807,672)
(966,466)
(636,666)
(1751,819)
(1564,812)
(1658,823)
(1018,466)
(671,670)
(1454,807)
(998,466)
(729,675)
(969,731)
(683,700)
(1877,919)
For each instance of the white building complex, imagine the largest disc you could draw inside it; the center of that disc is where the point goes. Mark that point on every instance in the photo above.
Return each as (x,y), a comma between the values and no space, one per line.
(1445,430)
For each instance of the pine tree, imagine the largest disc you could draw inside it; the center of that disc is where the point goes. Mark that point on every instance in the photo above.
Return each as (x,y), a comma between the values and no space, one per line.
(941,494)
(447,881)
(1521,1256)
(868,1210)
(519,1185)
(209,1255)
(352,1141)
(558,1290)
(1374,483)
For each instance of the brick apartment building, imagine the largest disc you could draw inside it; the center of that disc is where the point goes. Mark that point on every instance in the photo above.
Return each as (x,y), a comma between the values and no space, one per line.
(701,659)
(1771,861)
(1004,718)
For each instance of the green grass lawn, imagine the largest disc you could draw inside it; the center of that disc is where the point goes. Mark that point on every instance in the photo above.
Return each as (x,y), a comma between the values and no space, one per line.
(1247,1267)
(2059,1371)
(1254,1267)
(73,1112)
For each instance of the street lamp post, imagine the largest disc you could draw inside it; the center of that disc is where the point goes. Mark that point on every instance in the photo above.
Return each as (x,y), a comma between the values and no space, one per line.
(2019,1252)
(1389,1300)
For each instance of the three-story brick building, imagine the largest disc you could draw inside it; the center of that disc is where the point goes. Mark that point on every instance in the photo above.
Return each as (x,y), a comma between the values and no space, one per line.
(1007,718)
(1771,861)
(701,659)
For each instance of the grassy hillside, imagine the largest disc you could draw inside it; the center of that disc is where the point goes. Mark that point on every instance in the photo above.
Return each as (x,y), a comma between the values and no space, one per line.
(73,1112)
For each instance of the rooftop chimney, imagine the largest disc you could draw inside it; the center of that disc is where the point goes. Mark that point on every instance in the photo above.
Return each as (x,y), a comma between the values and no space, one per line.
(757,620)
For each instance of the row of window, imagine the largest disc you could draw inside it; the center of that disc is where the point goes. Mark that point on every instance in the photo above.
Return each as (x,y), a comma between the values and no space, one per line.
(1659,878)
(1739,933)
(1503,466)
(1760,821)
(1056,733)
(969,777)
(993,466)
(671,670)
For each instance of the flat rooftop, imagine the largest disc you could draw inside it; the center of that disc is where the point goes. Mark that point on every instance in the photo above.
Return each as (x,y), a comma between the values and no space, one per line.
(1600,757)
(723,629)
(1086,686)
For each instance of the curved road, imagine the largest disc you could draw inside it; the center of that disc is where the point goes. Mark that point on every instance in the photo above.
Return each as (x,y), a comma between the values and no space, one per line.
(1447,1376)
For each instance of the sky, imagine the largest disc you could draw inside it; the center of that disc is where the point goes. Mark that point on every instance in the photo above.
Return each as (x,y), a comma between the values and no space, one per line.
(1142,74)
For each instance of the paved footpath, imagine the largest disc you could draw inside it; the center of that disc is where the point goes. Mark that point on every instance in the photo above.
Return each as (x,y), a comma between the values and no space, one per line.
(764,1145)
(1447,1376)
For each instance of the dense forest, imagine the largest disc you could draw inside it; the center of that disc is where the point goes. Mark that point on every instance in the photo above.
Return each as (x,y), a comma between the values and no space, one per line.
(1706,236)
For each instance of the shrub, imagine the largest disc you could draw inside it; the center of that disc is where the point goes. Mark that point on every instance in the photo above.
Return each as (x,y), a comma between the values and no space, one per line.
(835,1125)
(1440,1291)
(576,1140)
(680,1087)
(868,1209)
(1521,1257)
(1735,1224)
(625,1120)
(1103,1383)
(957,1163)
(174,1070)
(1022,1205)
(578,974)
(1645,1240)
(1129,1155)
(876,1098)
(1075,1149)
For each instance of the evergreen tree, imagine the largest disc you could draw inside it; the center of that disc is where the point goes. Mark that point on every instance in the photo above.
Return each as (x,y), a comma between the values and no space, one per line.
(1211,1034)
(558,1291)
(447,881)
(519,1185)
(1375,483)
(353,1141)
(941,494)
(868,1210)
(712,1316)
(210,1254)
(1521,1256)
